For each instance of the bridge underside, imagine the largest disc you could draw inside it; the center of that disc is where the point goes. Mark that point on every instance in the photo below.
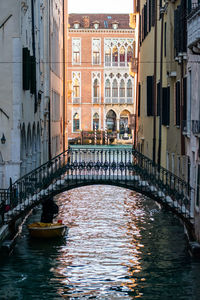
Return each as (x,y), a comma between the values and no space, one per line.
(132,182)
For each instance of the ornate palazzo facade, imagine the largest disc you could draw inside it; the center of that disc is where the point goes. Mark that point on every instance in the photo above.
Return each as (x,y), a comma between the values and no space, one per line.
(103,93)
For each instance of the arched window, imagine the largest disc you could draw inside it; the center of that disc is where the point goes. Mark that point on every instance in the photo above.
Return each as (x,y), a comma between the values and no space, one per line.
(107,57)
(96,121)
(76,122)
(129,88)
(122,89)
(122,56)
(115,56)
(76,90)
(111,120)
(76,55)
(96,56)
(115,89)
(129,54)
(107,89)
(95,90)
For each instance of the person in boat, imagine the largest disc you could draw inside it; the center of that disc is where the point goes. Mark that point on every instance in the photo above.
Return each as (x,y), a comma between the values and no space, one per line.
(49,210)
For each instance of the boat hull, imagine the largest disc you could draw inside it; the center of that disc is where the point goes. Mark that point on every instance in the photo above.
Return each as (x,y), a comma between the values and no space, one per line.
(47,230)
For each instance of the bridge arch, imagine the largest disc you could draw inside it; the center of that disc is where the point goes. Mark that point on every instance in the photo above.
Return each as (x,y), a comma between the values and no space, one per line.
(125,185)
(126,168)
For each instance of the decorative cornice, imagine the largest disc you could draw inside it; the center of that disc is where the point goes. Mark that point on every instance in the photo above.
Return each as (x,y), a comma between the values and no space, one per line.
(96,31)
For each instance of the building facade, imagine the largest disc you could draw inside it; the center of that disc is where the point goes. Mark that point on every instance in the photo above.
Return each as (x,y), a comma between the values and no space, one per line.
(192,124)
(163,83)
(100,49)
(31,90)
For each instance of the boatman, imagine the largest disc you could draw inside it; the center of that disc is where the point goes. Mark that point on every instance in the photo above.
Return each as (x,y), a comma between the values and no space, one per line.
(49,210)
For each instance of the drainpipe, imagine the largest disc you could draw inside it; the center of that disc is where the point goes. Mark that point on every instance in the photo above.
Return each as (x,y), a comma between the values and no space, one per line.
(49,102)
(64,79)
(154,84)
(181,110)
(137,88)
(161,94)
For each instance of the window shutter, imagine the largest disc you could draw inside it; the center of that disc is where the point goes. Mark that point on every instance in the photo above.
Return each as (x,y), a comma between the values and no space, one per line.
(158,99)
(185,98)
(145,20)
(139,95)
(32,75)
(153,12)
(166,106)
(149,95)
(178,103)
(150,14)
(26,68)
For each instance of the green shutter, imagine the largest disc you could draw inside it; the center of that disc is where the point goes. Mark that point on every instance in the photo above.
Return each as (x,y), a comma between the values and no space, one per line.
(25,70)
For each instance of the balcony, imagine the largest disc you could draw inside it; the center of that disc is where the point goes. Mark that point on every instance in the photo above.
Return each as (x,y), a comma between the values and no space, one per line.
(129,100)
(120,100)
(196,127)
(194,28)
(186,127)
(96,100)
(76,100)
(107,100)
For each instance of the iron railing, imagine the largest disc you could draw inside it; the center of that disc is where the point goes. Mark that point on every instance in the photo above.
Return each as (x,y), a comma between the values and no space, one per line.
(109,165)
(196,126)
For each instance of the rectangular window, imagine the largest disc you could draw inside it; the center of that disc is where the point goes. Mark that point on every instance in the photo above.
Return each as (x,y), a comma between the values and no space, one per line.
(165,40)
(76,51)
(184,98)
(177,103)
(158,99)
(96,58)
(150,14)
(139,95)
(166,106)
(76,125)
(198,186)
(76,57)
(149,95)
(96,51)
(153,3)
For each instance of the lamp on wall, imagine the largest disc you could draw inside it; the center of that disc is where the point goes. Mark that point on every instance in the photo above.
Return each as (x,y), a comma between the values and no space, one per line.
(3,139)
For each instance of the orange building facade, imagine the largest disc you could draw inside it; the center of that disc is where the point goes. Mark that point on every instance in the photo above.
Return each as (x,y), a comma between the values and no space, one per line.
(103,91)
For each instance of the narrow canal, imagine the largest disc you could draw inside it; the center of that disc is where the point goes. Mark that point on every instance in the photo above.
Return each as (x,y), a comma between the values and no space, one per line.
(120,245)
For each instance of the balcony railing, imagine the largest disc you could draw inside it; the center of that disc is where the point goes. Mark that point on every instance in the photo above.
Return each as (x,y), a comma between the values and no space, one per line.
(114,100)
(96,100)
(129,100)
(186,127)
(76,100)
(192,8)
(196,127)
(108,100)
(122,100)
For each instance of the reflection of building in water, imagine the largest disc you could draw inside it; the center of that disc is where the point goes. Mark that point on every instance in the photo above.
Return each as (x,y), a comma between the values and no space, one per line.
(100,50)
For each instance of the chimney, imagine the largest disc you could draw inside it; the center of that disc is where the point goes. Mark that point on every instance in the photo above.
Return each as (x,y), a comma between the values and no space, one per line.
(86,22)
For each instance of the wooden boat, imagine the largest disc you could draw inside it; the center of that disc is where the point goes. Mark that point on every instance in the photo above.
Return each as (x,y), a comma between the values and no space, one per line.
(47,230)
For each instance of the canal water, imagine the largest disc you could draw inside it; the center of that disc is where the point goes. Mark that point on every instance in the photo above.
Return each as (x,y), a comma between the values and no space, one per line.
(120,245)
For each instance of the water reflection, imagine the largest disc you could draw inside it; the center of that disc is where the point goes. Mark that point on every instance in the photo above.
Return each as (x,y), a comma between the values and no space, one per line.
(120,245)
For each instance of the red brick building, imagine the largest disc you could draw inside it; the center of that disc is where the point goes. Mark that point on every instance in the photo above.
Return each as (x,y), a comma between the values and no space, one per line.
(100,48)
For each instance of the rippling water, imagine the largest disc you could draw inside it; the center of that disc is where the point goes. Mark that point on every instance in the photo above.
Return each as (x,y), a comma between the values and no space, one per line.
(120,245)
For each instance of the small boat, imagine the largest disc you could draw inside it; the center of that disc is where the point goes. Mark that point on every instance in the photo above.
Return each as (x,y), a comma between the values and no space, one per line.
(47,230)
